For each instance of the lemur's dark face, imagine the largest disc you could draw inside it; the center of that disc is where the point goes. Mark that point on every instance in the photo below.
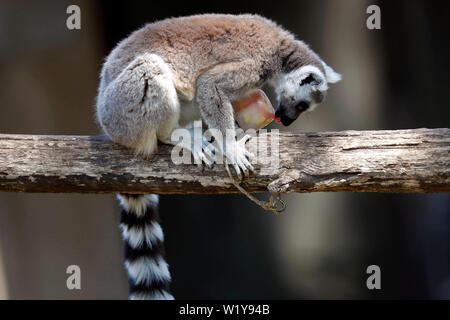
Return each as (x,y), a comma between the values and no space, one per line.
(301,90)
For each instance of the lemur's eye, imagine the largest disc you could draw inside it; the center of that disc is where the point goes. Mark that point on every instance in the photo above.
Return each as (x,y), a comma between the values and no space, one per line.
(302,106)
(309,80)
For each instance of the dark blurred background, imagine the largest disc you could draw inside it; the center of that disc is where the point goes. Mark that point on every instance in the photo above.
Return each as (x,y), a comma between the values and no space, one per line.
(224,246)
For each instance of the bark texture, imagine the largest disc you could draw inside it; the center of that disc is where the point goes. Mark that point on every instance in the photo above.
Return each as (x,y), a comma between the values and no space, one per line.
(398,161)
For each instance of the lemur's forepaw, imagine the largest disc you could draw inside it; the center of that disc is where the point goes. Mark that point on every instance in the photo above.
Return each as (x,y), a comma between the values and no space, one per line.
(203,151)
(206,155)
(239,157)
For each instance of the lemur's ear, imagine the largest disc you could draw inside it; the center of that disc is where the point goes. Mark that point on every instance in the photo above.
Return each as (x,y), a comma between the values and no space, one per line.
(331,75)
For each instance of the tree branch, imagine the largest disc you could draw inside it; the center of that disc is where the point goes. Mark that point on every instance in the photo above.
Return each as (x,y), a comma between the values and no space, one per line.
(399,161)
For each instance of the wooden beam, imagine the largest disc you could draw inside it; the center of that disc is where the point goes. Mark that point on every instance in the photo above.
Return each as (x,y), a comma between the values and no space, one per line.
(398,161)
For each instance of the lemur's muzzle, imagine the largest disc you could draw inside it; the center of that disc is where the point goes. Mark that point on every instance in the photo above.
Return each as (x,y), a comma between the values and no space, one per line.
(289,114)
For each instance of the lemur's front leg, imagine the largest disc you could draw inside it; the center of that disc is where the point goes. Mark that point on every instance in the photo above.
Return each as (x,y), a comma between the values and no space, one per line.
(215,90)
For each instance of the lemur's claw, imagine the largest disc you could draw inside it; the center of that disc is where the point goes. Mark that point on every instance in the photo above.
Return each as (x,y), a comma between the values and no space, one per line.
(238,172)
(201,158)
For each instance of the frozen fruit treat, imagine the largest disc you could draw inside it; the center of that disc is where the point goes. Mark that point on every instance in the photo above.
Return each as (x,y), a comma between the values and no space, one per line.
(253,110)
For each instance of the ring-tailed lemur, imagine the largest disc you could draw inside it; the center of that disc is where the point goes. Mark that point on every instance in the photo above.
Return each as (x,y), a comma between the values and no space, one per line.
(172,72)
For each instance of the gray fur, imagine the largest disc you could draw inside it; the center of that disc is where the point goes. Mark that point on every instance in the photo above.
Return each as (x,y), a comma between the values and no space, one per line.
(159,75)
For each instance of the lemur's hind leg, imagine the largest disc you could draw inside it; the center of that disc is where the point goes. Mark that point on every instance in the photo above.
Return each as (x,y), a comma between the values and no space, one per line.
(136,109)
(141,105)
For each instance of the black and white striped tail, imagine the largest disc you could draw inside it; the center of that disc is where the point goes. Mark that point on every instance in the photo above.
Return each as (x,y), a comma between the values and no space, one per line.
(148,273)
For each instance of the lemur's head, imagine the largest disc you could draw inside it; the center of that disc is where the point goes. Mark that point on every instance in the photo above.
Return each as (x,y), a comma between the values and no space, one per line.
(302,89)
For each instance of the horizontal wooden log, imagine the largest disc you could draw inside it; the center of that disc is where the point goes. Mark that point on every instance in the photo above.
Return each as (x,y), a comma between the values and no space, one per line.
(399,161)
